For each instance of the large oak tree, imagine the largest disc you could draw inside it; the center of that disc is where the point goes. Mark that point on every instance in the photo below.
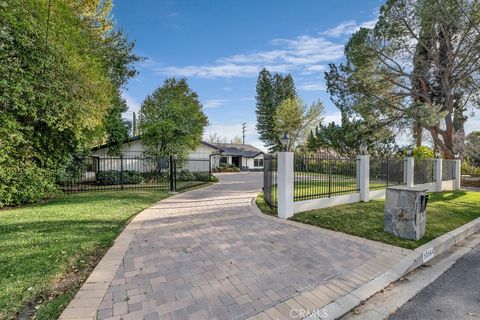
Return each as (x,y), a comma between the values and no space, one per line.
(418,68)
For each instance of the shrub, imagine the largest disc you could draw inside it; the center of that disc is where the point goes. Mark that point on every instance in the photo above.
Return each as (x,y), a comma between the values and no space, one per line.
(469,169)
(132,177)
(156,176)
(201,176)
(108,178)
(423,152)
(185,175)
(113,177)
(236,169)
(23,183)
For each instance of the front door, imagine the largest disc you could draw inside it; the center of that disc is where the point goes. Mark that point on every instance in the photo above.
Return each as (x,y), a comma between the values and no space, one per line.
(236,161)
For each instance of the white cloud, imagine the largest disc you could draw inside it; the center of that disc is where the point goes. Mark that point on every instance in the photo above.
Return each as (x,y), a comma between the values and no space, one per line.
(311,86)
(348,27)
(212,71)
(132,103)
(214,103)
(303,53)
(472,124)
(333,117)
(314,69)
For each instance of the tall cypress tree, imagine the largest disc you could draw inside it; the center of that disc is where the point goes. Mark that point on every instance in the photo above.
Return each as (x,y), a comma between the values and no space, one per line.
(265,107)
(288,87)
(271,91)
(278,89)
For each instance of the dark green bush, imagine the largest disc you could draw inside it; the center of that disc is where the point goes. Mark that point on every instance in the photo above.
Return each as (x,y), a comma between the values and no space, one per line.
(132,177)
(185,175)
(113,177)
(108,178)
(156,176)
(201,176)
(24,182)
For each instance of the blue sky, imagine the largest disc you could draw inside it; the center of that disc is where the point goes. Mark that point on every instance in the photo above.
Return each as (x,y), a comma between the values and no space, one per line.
(220,46)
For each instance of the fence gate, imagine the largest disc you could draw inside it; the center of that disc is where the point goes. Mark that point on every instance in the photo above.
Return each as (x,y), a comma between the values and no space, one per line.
(134,172)
(270,180)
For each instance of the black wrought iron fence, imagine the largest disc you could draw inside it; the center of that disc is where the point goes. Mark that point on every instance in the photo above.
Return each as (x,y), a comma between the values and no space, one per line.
(424,171)
(385,172)
(448,170)
(133,172)
(318,177)
(270,180)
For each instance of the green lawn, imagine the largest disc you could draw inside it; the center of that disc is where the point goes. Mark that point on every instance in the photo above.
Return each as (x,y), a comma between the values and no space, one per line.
(445,211)
(263,206)
(47,250)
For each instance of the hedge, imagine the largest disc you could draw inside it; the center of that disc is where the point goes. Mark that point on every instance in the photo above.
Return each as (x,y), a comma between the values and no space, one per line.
(113,177)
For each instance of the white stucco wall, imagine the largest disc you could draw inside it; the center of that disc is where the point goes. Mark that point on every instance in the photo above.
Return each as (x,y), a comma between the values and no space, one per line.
(135,149)
(250,162)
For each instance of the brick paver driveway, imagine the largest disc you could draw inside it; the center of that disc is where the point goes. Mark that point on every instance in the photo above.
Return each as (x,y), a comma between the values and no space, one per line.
(208,254)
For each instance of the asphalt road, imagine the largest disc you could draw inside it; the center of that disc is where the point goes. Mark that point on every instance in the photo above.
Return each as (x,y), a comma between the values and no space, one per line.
(454,295)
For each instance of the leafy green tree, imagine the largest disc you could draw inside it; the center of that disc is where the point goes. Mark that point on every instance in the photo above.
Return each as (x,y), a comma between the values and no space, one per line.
(56,89)
(121,68)
(345,139)
(294,118)
(172,120)
(356,127)
(418,69)
(271,92)
(423,152)
(116,127)
(472,148)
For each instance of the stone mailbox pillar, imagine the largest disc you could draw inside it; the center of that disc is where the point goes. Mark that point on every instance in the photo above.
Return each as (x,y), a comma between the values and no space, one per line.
(405,212)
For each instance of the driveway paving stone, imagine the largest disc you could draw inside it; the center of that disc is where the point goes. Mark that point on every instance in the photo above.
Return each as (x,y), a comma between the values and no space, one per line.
(208,254)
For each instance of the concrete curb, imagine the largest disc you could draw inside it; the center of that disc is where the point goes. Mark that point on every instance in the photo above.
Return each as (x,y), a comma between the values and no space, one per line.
(415,259)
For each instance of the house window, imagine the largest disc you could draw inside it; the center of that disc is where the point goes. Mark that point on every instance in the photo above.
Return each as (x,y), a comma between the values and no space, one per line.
(258,162)
(223,160)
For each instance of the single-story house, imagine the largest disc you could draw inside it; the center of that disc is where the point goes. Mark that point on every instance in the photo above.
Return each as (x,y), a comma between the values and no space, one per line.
(244,156)
(133,150)
(134,146)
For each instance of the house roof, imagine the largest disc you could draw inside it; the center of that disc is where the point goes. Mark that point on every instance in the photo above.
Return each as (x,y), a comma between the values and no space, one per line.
(135,138)
(244,150)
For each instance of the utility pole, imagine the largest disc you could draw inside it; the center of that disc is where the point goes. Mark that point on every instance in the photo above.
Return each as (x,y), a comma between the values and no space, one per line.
(244,129)
(134,129)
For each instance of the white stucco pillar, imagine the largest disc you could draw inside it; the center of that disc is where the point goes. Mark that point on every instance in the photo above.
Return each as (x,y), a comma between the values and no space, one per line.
(438,174)
(285,184)
(364,177)
(409,172)
(457,165)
